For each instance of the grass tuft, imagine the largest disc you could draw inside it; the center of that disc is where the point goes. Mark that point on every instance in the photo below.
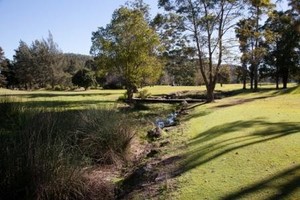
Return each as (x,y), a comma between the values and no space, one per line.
(43,153)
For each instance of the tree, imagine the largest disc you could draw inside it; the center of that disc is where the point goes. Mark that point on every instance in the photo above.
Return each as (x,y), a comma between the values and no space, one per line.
(283,46)
(24,65)
(224,75)
(244,32)
(84,78)
(205,24)
(128,46)
(2,77)
(257,8)
(39,64)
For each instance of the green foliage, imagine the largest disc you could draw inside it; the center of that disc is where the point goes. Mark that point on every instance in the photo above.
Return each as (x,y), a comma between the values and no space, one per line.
(103,136)
(144,94)
(283,47)
(39,64)
(35,159)
(128,46)
(84,78)
(208,23)
(43,152)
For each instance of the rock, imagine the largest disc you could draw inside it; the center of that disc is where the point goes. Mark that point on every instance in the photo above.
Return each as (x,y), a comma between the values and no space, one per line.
(154,133)
(184,104)
(164,143)
(152,153)
(160,123)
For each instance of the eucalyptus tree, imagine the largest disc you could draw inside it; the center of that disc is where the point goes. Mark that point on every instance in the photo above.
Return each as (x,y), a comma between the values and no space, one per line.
(129,46)
(244,32)
(2,77)
(205,24)
(257,9)
(1,54)
(283,45)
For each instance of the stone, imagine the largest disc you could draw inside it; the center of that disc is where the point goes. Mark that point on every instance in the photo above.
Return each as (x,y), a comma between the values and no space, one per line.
(154,133)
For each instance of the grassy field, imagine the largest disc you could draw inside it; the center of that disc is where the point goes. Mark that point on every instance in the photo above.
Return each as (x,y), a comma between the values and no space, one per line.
(245,146)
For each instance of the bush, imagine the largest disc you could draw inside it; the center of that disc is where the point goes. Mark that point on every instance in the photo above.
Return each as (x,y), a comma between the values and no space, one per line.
(104,136)
(144,94)
(58,88)
(84,78)
(124,97)
(43,152)
(35,159)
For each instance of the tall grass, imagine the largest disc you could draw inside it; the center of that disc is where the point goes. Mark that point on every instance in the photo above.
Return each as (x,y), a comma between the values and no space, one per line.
(43,153)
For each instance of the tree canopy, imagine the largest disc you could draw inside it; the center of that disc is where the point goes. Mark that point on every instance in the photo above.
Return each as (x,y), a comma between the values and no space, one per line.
(204,25)
(129,46)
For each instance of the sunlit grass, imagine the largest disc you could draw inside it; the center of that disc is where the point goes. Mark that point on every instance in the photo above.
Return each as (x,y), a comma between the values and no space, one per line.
(243,147)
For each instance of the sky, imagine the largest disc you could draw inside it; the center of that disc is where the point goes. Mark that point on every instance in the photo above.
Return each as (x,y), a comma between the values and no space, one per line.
(71,22)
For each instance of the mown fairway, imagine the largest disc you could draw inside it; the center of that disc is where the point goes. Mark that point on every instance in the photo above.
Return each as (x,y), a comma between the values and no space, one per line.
(245,146)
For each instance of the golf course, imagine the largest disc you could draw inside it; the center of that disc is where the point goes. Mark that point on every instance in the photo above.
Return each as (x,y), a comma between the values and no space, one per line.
(245,145)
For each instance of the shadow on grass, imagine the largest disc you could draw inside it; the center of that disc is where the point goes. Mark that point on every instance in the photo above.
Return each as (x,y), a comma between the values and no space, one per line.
(289,182)
(262,90)
(61,104)
(208,145)
(242,101)
(57,95)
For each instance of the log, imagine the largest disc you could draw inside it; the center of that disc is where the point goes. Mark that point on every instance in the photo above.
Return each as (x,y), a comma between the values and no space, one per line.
(154,100)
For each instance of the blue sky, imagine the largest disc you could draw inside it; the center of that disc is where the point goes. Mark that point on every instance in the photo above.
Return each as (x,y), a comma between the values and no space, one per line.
(71,22)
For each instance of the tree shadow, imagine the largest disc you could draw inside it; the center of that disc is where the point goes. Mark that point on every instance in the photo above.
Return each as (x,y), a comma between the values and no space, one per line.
(209,145)
(57,95)
(262,90)
(284,183)
(59,104)
(242,101)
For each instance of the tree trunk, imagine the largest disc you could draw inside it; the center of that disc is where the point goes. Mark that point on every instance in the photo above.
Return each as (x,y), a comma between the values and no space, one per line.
(277,78)
(256,78)
(210,94)
(256,62)
(285,77)
(251,76)
(129,92)
(244,75)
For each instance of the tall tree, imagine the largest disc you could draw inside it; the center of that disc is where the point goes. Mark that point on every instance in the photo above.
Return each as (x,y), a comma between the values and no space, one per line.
(244,32)
(257,8)
(283,45)
(2,77)
(205,23)
(1,54)
(39,64)
(24,65)
(129,46)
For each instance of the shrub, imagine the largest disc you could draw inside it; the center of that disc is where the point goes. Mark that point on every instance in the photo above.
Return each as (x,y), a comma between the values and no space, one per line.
(43,152)
(35,160)
(144,94)
(84,78)
(104,135)
(58,88)
(124,97)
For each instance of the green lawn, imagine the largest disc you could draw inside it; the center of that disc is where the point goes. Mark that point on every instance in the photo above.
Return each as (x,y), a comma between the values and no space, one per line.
(243,147)
(68,100)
